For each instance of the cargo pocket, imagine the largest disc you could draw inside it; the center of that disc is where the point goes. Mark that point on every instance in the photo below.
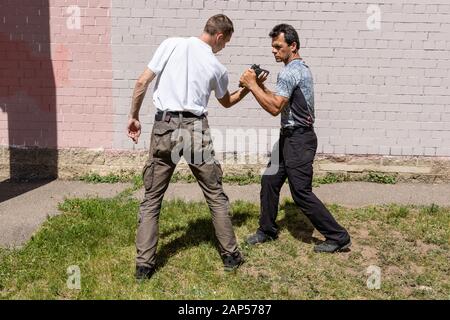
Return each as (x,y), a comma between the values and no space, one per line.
(162,139)
(211,174)
(207,147)
(218,173)
(147,174)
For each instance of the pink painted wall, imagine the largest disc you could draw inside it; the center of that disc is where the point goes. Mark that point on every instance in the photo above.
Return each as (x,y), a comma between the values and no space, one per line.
(56,73)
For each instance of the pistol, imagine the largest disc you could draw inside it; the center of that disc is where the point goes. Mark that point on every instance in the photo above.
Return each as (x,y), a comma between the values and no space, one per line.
(258,71)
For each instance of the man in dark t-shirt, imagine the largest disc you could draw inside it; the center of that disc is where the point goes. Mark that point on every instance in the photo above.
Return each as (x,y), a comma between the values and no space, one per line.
(293,155)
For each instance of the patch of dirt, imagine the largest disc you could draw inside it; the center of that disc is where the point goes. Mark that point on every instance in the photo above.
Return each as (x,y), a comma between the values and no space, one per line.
(424,248)
(393,271)
(256,272)
(360,236)
(369,254)
(416,269)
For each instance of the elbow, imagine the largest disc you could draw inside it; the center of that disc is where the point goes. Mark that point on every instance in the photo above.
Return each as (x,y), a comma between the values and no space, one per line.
(141,83)
(226,104)
(275,111)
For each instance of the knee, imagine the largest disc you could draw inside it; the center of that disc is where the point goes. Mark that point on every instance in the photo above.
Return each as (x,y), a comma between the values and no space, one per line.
(217,199)
(149,209)
(267,182)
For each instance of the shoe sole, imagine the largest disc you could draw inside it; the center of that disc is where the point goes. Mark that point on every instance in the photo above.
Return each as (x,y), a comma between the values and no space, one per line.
(348,245)
(231,269)
(143,278)
(344,247)
(260,242)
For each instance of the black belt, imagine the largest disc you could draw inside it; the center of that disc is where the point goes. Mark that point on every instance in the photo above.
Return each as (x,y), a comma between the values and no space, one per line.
(175,114)
(288,131)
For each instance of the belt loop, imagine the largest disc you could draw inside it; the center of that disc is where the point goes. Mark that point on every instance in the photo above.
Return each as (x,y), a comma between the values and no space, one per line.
(164,115)
(180,116)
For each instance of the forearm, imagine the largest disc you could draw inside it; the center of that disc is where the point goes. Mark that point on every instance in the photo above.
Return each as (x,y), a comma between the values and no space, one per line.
(237,96)
(265,88)
(138,97)
(266,99)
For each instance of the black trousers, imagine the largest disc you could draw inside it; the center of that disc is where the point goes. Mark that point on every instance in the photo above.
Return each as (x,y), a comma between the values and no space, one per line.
(292,159)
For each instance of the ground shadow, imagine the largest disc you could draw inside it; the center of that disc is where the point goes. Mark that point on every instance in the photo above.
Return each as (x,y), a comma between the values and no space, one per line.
(28,95)
(297,224)
(10,189)
(197,232)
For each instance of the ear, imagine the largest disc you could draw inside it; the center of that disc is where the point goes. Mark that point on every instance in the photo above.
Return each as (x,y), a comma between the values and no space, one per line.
(294,47)
(219,36)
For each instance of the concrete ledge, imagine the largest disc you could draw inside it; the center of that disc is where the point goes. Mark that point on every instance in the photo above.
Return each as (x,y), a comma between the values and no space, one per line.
(376,168)
(34,163)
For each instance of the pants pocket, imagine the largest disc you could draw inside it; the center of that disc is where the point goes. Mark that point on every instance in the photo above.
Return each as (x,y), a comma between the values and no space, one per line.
(207,147)
(161,139)
(218,172)
(147,174)
(210,173)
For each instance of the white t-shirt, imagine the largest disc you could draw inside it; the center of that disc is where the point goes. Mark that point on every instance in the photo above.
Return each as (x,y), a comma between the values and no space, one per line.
(187,71)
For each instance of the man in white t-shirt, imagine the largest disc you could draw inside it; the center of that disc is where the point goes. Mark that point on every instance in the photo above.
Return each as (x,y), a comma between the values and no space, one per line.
(187,72)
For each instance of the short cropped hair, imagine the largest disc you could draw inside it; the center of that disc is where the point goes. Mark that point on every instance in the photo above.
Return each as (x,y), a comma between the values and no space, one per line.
(290,34)
(219,23)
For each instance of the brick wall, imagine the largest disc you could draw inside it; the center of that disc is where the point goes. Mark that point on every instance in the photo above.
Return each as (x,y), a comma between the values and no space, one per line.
(380,89)
(56,73)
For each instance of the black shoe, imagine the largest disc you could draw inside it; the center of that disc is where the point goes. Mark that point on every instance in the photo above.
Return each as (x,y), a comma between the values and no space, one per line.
(259,237)
(143,272)
(232,262)
(331,246)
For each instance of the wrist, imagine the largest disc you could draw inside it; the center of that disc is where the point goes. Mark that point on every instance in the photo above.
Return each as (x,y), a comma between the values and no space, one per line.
(245,90)
(252,86)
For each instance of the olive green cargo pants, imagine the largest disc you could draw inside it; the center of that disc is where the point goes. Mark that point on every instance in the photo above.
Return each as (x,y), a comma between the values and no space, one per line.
(172,138)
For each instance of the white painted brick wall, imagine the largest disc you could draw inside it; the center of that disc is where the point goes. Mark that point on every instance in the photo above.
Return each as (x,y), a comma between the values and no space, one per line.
(380,91)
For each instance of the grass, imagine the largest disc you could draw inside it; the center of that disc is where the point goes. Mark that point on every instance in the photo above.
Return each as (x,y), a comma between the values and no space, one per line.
(110,178)
(243,179)
(410,245)
(379,177)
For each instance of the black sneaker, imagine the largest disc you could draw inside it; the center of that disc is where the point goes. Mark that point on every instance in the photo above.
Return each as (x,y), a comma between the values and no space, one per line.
(143,272)
(259,237)
(232,262)
(331,246)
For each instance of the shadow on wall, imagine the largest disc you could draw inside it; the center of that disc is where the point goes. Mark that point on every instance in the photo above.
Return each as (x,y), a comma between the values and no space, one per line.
(28,93)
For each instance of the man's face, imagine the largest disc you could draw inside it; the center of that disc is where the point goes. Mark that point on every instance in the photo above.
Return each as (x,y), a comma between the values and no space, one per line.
(221,42)
(280,49)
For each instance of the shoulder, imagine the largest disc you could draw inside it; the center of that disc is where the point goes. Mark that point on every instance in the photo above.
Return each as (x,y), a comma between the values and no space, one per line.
(220,70)
(295,71)
(287,74)
(303,68)
(305,72)
(169,42)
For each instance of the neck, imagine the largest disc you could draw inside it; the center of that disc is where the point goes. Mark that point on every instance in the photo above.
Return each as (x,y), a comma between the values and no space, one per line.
(292,57)
(206,38)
